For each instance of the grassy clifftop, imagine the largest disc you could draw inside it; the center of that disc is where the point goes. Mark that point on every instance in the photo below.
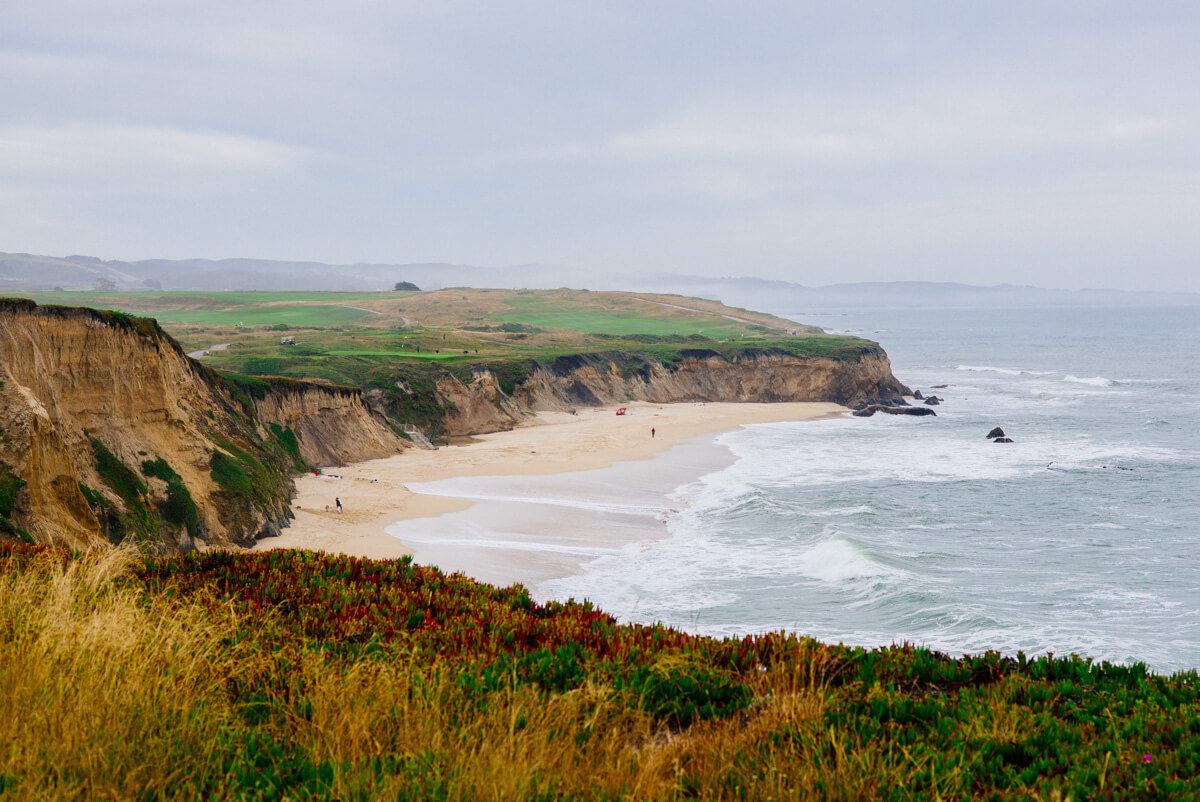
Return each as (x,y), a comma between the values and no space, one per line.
(401,347)
(345,337)
(296,675)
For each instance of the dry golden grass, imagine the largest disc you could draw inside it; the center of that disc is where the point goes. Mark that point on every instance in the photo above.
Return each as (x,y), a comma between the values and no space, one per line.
(111,695)
(108,691)
(105,695)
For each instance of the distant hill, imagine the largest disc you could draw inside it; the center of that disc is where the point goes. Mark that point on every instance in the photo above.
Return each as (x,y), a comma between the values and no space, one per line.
(779,296)
(29,272)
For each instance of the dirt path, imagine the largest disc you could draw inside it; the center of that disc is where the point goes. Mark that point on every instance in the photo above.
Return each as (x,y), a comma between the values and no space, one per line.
(212,349)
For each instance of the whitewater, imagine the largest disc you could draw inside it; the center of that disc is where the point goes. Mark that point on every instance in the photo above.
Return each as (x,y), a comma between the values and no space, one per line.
(1079,537)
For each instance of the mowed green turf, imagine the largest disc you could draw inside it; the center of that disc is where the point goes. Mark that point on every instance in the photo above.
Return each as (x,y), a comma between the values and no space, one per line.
(403,354)
(227,308)
(296,315)
(547,313)
(179,298)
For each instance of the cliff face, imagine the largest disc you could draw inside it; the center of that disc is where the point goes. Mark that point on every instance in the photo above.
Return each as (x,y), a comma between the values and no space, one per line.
(89,398)
(332,424)
(762,376)
(478,405)
(110,432)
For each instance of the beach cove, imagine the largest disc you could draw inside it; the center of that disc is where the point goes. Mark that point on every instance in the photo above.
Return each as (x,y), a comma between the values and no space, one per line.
(383,518)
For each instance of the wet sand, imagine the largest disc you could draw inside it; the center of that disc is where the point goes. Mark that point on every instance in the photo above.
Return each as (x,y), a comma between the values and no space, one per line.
(375,494)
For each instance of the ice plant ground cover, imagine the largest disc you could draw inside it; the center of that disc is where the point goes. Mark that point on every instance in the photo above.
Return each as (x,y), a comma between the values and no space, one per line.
(307,676)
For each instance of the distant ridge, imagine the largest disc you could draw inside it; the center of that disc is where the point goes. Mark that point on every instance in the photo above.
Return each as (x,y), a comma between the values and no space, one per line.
(31,272)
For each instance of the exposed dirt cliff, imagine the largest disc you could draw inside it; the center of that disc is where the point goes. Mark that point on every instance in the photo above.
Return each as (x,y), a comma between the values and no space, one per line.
(110,431)
(332,425)
(758,375)
(478,403)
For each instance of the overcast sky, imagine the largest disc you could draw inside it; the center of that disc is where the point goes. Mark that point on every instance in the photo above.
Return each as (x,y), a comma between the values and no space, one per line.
(959,141)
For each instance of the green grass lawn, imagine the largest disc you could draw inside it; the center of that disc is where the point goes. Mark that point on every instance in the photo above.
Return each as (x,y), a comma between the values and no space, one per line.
(424,356)
(547,313)
(294,315)
(157,299)
(297,309)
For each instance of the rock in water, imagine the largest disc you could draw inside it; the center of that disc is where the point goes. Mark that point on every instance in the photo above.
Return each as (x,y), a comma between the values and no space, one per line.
(918,395)
(871,409)
(1003,440)
(940,386)
(997,432)
(933,401)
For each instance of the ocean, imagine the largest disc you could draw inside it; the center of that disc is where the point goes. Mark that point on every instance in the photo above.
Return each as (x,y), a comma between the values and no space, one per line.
(1080,537)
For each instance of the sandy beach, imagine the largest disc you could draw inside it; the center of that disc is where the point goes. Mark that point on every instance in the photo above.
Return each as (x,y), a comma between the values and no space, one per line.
(375,494)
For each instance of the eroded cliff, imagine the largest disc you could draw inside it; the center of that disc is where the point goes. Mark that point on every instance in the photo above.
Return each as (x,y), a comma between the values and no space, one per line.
(478,400)
(110,431)
(332,425)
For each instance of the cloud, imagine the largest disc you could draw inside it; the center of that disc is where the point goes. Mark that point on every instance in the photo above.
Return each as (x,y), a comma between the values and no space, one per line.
(99,149)
(935,125)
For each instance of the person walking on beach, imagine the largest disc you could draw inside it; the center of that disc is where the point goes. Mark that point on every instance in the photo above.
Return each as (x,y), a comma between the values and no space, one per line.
(338,503)
(651,432)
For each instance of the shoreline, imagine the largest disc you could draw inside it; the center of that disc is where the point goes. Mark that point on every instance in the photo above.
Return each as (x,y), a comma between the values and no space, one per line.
(375,494)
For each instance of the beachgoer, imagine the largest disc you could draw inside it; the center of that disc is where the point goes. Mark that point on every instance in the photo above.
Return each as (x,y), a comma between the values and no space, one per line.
(651,432)
(338,503)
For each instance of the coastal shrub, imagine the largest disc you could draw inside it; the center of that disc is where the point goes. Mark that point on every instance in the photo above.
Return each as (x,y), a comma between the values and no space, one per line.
(245,389)
(10,487)
(411,396)
(228,472)
(116,474)
(244,477)
(94,497)
(316,676)
(559,669)
(509,373)
(137,521)
(290,444)
(178,508)
(681,692)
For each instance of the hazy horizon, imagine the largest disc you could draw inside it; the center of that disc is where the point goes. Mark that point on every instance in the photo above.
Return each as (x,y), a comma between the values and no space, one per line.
(990,144)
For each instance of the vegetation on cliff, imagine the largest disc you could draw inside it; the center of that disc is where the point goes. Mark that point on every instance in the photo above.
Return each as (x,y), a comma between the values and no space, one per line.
(400,347)
(303,676)
(10,487)
(107,429)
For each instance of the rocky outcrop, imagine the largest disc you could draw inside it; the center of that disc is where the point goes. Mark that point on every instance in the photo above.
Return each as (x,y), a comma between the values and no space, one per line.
(478,404)
(996,432)
(332,425)
(870,409)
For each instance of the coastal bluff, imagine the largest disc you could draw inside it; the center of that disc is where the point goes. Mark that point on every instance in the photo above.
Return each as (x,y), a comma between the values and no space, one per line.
(479,402)
(110,432)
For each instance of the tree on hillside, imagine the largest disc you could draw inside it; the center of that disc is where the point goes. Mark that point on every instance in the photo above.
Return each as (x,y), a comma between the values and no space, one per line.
(406,286)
